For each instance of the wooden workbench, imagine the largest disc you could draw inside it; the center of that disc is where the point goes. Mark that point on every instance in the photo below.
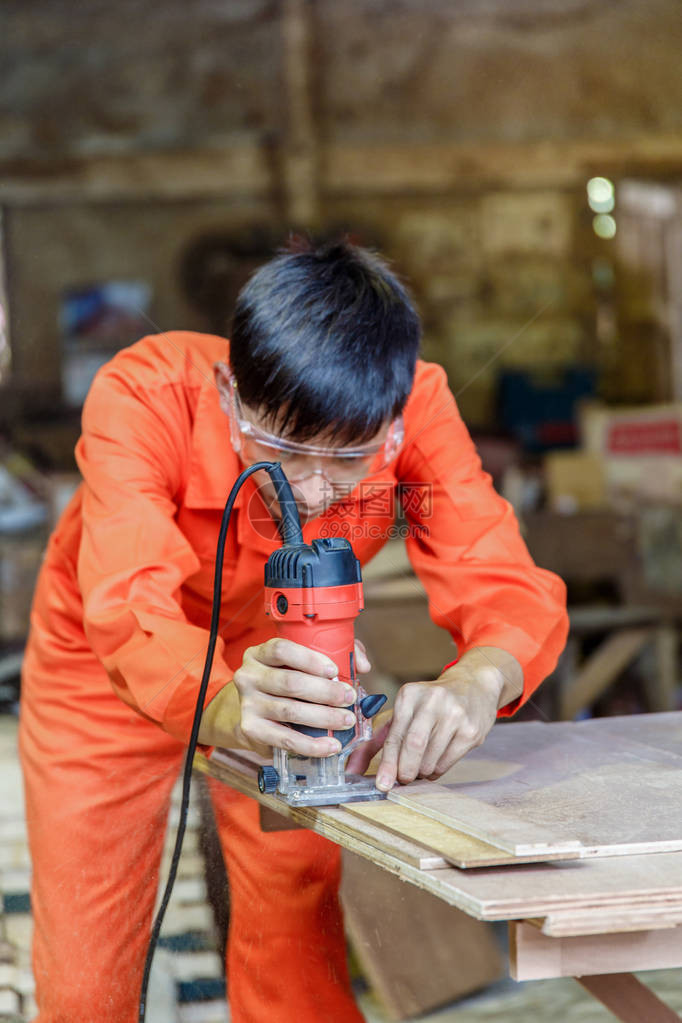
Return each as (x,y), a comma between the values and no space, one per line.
(596,918)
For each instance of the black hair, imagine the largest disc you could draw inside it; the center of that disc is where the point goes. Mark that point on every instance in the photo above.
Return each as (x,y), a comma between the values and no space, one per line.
(325,341)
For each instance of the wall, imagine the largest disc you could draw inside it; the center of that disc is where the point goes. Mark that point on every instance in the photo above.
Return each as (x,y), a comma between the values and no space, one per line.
(458,138)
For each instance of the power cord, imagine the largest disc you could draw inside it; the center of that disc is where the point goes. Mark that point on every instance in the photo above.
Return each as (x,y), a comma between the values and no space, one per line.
(286,501)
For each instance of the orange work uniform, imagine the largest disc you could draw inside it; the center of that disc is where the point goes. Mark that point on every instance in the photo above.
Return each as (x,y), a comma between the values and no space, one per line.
(116,649)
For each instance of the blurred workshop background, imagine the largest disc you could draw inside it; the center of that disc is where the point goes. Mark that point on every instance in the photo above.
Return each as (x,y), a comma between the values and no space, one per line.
(518,161)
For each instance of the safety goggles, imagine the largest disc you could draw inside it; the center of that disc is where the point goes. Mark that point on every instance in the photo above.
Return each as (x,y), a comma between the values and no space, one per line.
(339,466)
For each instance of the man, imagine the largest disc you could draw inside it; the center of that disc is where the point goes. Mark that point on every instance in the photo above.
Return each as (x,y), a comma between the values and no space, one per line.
(322,373)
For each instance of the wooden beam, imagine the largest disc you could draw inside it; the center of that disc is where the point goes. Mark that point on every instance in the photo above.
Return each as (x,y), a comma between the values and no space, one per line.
(346,169)
(242,170)
(628,999)
(535,956)
(662,689)
(602,668)
(442,167)
(299,143)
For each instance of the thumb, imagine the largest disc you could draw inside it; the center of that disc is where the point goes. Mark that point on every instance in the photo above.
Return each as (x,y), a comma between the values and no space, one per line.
(360,758)
(361,658)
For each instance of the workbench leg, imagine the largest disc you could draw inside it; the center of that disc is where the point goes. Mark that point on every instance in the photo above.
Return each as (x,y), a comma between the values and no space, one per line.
(663,695)
(628,999)
(563,675)
(602,668)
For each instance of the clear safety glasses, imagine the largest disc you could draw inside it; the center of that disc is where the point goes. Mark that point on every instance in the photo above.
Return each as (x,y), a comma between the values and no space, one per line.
(339,466)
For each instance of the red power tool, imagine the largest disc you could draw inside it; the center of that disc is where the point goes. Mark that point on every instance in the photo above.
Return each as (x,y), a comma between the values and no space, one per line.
(313,592)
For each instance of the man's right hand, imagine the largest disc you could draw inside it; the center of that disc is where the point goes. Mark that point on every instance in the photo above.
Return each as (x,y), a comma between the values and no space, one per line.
(278,683)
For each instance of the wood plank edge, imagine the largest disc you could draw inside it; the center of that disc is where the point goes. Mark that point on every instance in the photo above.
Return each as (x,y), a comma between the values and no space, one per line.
(573,847)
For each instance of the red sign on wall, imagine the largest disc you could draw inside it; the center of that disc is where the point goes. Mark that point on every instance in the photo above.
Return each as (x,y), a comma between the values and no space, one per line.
(642,437)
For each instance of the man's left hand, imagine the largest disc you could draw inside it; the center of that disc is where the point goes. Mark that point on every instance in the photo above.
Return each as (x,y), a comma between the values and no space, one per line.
(434,724)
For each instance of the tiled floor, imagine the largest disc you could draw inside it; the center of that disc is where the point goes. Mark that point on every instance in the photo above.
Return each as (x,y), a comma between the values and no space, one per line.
(538,1001)
(186,985)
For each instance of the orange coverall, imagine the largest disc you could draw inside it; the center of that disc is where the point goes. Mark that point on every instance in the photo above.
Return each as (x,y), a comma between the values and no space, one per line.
(115,655)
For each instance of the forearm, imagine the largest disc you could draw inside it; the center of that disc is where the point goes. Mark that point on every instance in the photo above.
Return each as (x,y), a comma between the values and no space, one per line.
(220,721)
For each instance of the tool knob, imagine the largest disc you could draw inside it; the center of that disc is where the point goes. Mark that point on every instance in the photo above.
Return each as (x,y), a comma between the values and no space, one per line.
(268,778)
(371,705)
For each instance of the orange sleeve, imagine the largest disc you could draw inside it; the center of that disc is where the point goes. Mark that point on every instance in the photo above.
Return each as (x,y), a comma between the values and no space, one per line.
(465,545)
(133,557)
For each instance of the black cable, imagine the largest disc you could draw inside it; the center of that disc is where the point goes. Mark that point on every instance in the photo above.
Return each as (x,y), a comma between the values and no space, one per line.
(187,772)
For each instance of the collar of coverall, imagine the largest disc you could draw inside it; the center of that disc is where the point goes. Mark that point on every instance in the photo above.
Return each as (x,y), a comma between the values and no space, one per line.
(214,468)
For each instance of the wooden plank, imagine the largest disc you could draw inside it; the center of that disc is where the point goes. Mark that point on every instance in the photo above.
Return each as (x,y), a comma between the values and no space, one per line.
(609,920)
(456,847)
(559,784)
(239,771)
(416,951)
(628,883)
(628,999)
(625,883)
(517,837)
(416,855)
(602,668)
(535,956)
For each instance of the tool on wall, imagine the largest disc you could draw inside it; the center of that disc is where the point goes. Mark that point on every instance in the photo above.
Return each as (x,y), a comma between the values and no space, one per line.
(313,592)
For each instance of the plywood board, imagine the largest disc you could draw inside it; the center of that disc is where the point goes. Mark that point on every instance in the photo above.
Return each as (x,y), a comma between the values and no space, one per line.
(519,837)
(608,884)
(534,786)
(609,920)
(660,731)
(456,847)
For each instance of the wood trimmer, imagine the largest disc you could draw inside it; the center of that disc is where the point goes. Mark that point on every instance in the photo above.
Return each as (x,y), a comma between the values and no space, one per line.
(313,593)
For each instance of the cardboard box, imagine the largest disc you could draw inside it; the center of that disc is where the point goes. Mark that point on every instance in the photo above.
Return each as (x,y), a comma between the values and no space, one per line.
(575,481)
(641,450)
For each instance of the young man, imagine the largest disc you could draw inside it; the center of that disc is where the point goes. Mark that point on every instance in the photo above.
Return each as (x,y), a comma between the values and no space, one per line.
(322,374)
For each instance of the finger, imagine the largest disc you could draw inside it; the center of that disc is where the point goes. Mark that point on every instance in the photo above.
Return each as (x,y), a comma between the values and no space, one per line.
(414,746)
(313,714)
(275,735)
(280,652)
(361,658)
(299,686)
(454,752)
(439,741)
(388,768)
(360,758)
